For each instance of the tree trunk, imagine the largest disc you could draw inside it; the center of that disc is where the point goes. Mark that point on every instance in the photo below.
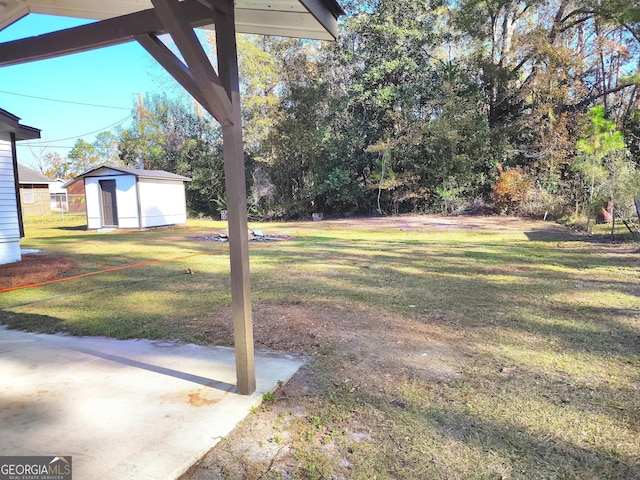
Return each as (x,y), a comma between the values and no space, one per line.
(613,219)
(603,70)
(589,204)
(384,158)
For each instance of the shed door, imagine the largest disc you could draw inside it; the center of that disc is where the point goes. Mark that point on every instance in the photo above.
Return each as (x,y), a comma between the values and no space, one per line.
(109,205)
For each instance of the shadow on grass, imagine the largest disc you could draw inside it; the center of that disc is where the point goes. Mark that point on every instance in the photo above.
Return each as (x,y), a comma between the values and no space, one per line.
(527,452)
(32,322)
(506,287)
(74,228)
(496,437)
(416,252)
(555,235)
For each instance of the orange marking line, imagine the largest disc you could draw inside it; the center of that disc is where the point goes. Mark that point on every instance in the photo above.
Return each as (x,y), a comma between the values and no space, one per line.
(114,269)
(124,267)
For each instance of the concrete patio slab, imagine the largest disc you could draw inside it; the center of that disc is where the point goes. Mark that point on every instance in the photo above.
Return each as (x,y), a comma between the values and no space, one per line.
(134,409)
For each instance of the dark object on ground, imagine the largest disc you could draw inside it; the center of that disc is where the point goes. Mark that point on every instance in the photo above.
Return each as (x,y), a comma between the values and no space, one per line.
(477,207)
(253,237)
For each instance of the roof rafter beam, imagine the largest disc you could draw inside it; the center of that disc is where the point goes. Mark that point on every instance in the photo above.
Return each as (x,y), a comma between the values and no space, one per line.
(105,33)
(172,64)
(11,12)
(219,5)
(322,15)
(218,101)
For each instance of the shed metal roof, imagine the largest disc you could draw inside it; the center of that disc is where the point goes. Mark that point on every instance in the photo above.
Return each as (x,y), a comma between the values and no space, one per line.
(316,19)
(107,170)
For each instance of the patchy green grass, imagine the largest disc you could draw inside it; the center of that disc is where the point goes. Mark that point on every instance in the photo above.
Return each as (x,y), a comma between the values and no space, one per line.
(438,347)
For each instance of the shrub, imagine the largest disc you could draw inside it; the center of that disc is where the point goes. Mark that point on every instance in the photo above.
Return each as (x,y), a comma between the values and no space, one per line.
(538,203)
(511,189)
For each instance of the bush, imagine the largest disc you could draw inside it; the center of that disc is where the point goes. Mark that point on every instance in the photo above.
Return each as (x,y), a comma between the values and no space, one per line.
(538,203)
(511,189)
(450,196)
(514,193)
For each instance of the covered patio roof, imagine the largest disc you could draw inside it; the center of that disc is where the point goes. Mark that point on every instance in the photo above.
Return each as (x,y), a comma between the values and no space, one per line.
(216,88)
(315,19)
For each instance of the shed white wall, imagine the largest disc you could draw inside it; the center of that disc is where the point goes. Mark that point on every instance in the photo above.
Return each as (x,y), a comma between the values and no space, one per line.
(126,201)
(127,198)
(92,203)
(162,202)
(9,226)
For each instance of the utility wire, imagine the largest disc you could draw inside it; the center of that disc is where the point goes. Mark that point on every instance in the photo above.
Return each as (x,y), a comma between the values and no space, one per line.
(65,101)
(43,145)
(46,142)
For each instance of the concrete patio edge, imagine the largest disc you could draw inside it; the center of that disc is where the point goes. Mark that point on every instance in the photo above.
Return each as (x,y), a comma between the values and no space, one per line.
(123,409)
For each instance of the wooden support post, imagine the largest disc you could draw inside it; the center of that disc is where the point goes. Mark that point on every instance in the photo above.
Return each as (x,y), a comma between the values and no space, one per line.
(234,171)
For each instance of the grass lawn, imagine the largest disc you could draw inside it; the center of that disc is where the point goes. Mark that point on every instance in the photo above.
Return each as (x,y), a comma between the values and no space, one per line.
(438,347)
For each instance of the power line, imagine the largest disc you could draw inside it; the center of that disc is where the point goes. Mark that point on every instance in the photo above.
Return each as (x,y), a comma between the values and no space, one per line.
(44,143)
(65,101)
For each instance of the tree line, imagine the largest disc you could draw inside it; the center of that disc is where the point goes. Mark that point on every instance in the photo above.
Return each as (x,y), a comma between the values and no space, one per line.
(525,107)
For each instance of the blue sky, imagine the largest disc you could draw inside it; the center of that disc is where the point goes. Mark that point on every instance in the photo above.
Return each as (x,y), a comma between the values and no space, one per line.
(110,77)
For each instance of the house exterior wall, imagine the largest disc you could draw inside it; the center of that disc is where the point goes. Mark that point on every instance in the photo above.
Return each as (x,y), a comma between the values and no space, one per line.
(126,200)
(9,224)
(58,196)
(162,202)
(35,199)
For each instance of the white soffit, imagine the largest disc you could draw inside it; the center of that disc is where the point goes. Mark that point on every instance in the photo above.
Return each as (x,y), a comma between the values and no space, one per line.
(314,19)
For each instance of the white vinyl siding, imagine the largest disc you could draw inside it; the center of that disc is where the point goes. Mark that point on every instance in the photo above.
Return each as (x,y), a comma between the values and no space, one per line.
(9,224)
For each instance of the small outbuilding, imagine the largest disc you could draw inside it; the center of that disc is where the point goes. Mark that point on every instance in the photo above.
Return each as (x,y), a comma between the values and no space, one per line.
(35,194)
(117,197)
(11,229)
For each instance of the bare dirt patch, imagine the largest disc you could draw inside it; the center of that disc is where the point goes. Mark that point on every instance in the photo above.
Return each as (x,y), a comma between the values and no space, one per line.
(435,222)
(352,350)
(35,268)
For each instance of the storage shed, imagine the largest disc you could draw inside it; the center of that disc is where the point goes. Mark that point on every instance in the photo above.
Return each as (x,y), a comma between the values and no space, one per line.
(118,197)
(11,229)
